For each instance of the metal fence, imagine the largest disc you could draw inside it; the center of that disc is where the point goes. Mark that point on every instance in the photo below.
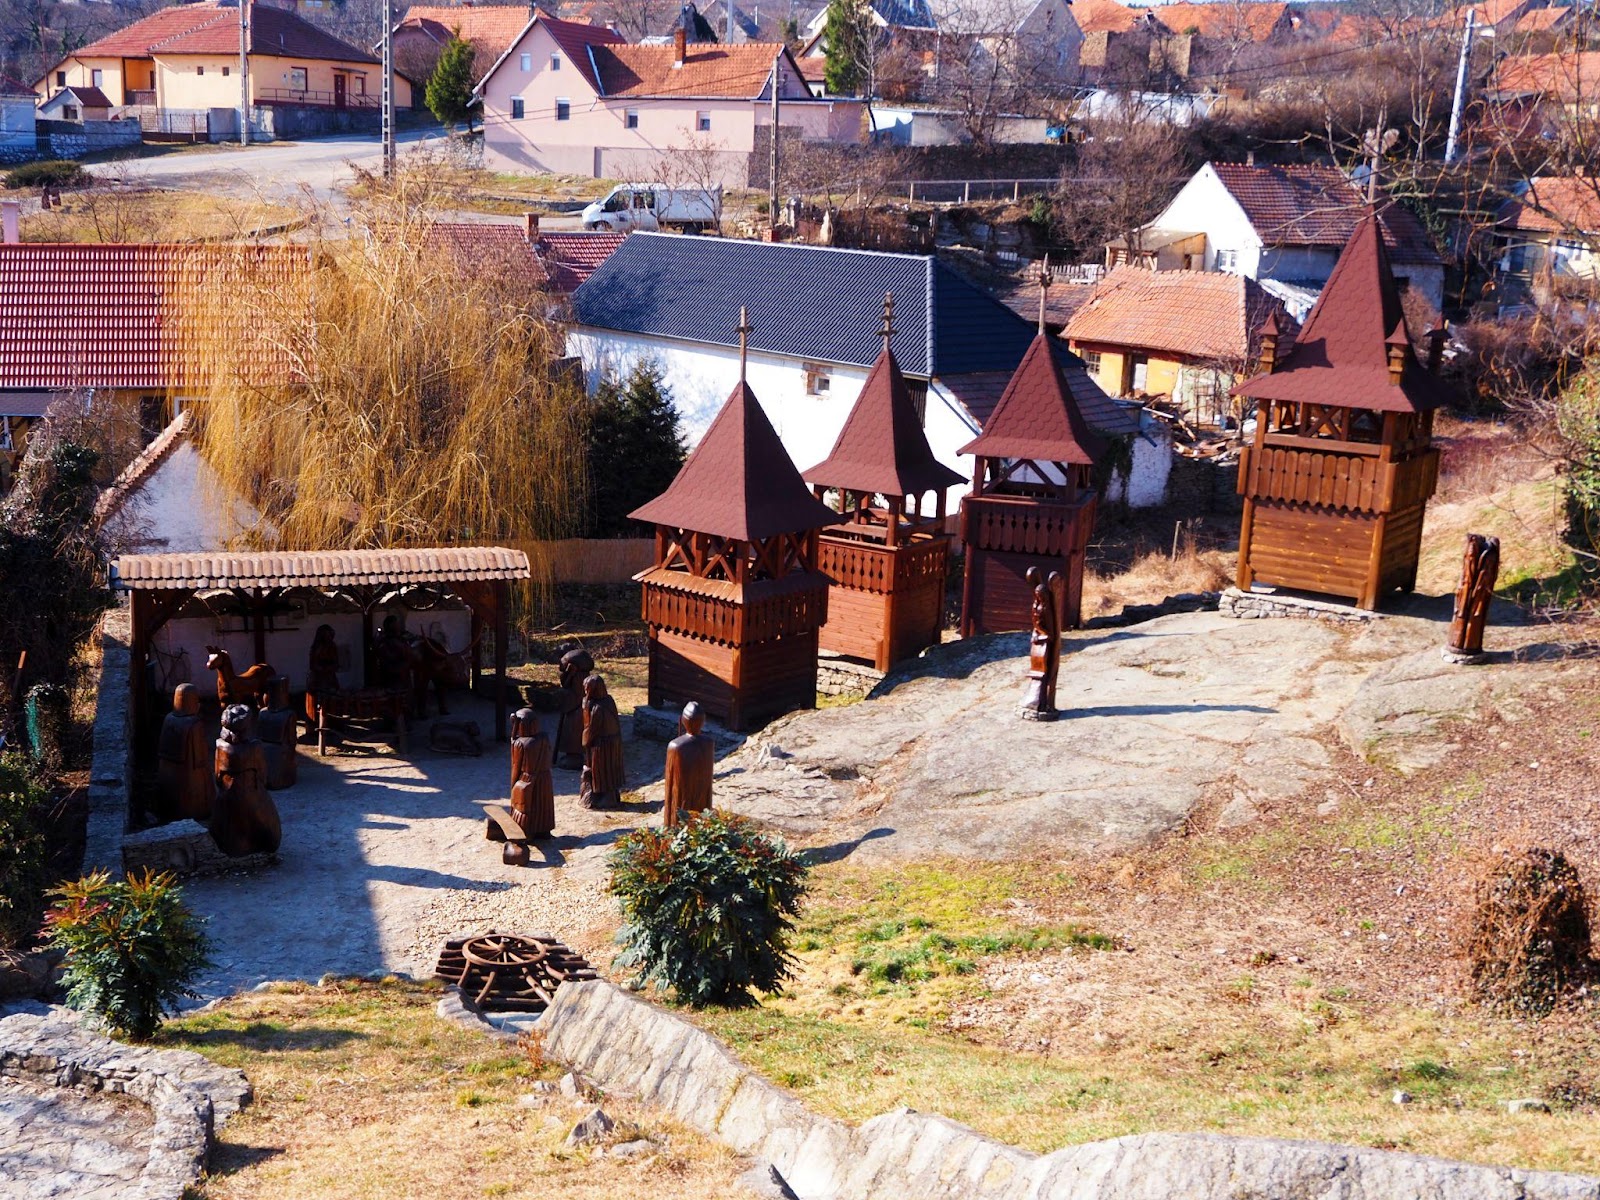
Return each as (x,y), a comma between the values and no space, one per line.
(965,191)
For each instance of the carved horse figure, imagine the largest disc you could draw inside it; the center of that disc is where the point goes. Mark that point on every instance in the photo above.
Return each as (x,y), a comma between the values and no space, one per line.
(236,687)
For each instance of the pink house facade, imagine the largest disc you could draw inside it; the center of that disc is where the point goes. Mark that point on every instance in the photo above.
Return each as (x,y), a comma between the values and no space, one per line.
(575,99)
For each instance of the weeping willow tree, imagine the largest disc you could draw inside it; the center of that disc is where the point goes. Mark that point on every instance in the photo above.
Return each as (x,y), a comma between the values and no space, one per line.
(399,387)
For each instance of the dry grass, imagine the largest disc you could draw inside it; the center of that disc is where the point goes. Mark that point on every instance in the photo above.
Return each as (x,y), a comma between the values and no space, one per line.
(118,215)
(1154,575)
(362,1092)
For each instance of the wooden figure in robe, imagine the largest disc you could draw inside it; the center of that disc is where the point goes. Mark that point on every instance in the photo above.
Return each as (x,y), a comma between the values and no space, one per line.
(533,791)
(1480,567)
(576,665)
(278,727)
(244,819)
(322,672)
(1044,645)
(184,769)
(691,763)
(603,779)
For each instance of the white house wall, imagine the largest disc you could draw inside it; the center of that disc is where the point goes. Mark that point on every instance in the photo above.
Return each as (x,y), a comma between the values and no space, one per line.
(1203,205)
(178,509)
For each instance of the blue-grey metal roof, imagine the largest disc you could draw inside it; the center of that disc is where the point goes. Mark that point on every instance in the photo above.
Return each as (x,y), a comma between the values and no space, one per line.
(818,303)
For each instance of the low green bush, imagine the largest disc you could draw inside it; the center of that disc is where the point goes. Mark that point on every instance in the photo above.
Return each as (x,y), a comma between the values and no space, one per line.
(23,854)
(707,908)
(55,172)
(132,948)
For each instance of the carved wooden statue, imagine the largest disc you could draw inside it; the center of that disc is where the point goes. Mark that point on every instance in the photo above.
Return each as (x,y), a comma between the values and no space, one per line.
(322,671)
(184,770)
(391,657)
(533,791)
(1044,645)
(603,778)
(1480,567)
(576,665)
(238,687)
(244,819)
(691,763)
(278,728)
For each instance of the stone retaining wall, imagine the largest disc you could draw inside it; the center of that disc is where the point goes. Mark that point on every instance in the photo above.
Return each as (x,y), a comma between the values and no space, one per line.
(628,1046)
(1235,603)
(188,1096)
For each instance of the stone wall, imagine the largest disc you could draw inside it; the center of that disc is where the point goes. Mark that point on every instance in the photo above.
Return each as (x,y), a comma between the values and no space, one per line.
(74,139)
(630,1047)
(1234,603)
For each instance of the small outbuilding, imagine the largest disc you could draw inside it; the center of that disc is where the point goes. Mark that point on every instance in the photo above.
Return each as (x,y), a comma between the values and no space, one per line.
(80,103)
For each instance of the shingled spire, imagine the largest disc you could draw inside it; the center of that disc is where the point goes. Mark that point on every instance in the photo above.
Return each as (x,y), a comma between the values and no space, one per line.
(1037,417)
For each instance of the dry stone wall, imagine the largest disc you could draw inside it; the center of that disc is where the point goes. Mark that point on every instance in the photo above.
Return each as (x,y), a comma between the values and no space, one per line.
(628,1046)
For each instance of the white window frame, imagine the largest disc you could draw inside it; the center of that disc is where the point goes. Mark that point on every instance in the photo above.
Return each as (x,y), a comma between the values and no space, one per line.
(563,108)
(1091,360)
(1227,261)
(97,77)
(630,118)
(555,61)
(525,63)
(518,110)
(702,121)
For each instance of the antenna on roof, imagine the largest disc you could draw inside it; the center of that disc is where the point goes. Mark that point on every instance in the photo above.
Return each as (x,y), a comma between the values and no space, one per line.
(744,340)
(1046,277)
(887,332)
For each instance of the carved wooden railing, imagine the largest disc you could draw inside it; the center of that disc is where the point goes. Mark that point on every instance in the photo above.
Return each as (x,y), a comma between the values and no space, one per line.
(1355,482)
(722,614)
(1021,526)
(880,569)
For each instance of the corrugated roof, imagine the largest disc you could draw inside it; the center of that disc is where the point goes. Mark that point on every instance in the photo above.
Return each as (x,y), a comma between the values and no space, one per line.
(1555,204)
(92,315)
(316,569)
(1313,205)
(739,72)
(1342,355)
(207,27)
(1195,314)
(739,482)
(882,447)
(1037,417)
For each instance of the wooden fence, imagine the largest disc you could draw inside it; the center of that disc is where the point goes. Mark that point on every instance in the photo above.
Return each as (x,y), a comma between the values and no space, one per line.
(591,560)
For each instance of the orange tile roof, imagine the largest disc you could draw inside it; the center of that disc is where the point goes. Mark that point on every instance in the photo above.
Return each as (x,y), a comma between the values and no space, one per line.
(315,569)
(210,28)
(1542,20)
(709,70)
(1564,77)
(491,28)
(1110,16)
(485,246)
(1254,22)
(571,257)
(1037,416)
(1192,314)
(1555,204)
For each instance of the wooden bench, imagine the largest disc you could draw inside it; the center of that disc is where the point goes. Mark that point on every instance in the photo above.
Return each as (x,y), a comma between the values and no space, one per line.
(501,826)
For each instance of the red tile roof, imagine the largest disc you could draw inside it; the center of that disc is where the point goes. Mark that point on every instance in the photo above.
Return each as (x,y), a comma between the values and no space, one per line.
(481,246)
(1565,77)
(108,316)
(1317,206)
(739,482)
(317,569)
(1192,314)
(1037,416)
(1109,16)
(571,258)
(492,29)
(710,70)
(882,447)
(577,39)
(209,28)
(1542,20)
(1342,355)
(1242,22)
(1555,204)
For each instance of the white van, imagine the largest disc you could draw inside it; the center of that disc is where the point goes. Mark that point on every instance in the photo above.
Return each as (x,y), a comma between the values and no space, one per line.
(646,206)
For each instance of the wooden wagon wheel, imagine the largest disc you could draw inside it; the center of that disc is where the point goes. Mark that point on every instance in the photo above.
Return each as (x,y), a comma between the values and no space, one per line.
(495,953)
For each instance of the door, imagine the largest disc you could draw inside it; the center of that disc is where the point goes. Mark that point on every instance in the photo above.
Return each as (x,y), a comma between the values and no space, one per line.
(338,91)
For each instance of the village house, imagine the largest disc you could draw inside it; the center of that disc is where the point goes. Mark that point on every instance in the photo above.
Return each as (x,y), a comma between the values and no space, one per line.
(575,99)
(77,103)
(1539,93)
(813,311)
(1282,226)
(1548,234)
(185,60)
(1185,335)
(421,35)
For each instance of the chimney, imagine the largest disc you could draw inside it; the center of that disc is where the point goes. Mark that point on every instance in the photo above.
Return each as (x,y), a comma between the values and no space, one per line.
(532,219)
(679,42)
(10,218)
(1398,344)
(1269,345)
(1436,338)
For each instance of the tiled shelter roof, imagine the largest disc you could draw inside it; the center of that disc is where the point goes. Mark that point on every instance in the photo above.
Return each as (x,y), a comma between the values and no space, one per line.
(1342,354)
(1037,416)
(316,569)
(207,27)
(1194,314)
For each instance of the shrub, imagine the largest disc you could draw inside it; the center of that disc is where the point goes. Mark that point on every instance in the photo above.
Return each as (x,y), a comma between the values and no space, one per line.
(53,172)
(1527,939)
(23,854)
(707,907)
(132,948)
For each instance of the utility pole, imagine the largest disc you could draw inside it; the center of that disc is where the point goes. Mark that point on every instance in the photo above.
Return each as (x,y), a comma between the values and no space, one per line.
(388,90)
(772,164)
(727,36)
(1461,92)
(244,72)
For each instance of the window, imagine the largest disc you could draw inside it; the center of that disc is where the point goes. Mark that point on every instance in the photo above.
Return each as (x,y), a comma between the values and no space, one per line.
(224,72)
(297,79)
(199,70)
(97,77)
(69,112)
(1139,374)
(1227,260)
(516,108)
(555,62)
(1091,359)
(525,62)
(563,109)
(630,118)
(360,84)
(61,79)
(817,381)
(702,122)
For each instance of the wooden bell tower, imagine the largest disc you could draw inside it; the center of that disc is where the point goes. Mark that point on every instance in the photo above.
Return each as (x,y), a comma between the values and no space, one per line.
(888,552)
(734,600)
(1338,476)
(1033,495)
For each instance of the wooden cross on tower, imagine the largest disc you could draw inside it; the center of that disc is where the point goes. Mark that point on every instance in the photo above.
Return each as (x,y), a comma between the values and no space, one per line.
(744,340)
(887,332)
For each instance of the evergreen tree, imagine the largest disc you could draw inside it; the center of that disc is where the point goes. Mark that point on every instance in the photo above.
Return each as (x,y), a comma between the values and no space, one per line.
(449,93)
(635,447)
(846,36)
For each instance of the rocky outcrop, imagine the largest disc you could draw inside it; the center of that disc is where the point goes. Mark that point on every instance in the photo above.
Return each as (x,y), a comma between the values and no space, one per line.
(630,1047)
